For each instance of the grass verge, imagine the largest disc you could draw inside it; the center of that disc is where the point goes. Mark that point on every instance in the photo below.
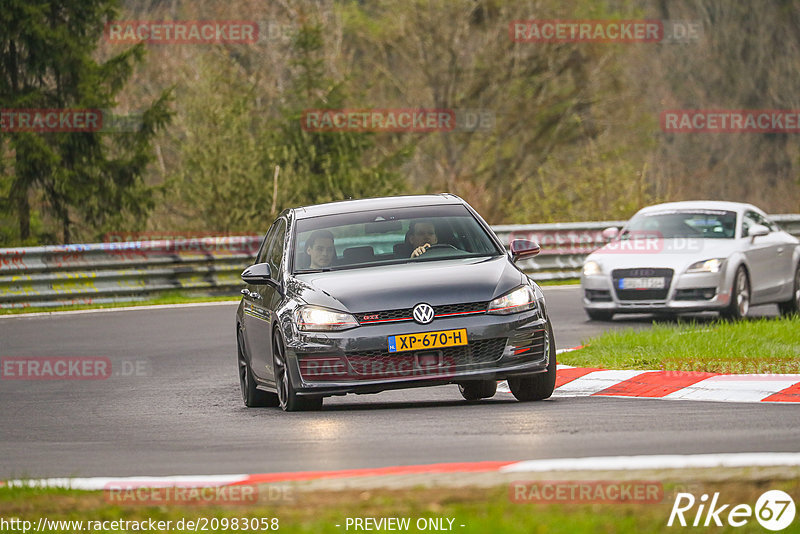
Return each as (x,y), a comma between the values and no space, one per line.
(565,282)
(478,510)
(170,297)
(754,346)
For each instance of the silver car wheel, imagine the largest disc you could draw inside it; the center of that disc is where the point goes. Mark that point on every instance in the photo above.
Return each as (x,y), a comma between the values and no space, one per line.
(797,288)
(742,293)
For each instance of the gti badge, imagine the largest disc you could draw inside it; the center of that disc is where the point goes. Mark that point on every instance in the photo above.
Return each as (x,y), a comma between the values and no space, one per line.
(423,313)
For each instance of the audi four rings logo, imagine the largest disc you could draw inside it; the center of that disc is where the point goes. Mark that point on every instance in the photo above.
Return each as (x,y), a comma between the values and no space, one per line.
(423,313)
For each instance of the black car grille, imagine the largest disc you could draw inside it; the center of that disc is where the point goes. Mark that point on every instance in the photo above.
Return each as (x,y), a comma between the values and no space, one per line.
(642,294)
(382,365)
(447,310)
(476,353)
(384,316)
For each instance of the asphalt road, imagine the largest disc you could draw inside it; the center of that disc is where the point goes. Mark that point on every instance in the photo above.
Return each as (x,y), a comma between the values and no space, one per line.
(178,411)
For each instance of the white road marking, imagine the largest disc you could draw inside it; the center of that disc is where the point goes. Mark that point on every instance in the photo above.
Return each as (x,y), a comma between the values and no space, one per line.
(666,461)
(99,483)
(120,309)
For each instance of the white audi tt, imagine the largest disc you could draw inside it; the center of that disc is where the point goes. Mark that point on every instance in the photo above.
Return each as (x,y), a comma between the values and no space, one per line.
(693,256)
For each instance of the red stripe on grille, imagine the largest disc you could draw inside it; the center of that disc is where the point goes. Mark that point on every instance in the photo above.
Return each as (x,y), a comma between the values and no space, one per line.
(459,313)
(386,320)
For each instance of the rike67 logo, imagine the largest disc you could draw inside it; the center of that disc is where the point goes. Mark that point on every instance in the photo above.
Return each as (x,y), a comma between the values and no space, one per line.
(774,510)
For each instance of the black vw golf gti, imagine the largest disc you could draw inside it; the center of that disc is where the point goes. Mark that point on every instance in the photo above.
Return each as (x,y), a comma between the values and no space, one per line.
(362,296)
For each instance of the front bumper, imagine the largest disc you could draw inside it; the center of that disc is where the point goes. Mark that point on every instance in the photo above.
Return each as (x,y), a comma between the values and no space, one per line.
(358,361)
(688,292)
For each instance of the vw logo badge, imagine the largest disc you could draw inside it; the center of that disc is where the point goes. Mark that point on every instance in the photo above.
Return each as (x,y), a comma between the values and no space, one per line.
(423,313)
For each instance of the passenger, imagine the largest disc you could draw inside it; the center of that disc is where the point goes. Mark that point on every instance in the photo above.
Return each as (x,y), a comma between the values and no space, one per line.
(319,246)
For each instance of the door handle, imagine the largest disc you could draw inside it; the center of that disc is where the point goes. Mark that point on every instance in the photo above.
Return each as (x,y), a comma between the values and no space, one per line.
(245,292)
(780,250)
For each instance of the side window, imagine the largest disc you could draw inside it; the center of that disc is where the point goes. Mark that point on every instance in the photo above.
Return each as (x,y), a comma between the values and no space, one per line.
(276,249)
(760,219)
(262,252)
(747,222)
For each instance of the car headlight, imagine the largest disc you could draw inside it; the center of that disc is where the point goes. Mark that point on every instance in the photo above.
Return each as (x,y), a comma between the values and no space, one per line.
(706,266)
(518,300)
(317,319)
(591,268)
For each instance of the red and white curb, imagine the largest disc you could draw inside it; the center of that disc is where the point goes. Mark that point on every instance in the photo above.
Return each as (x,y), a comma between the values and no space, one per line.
(598,463)
(99,483)
(681,385)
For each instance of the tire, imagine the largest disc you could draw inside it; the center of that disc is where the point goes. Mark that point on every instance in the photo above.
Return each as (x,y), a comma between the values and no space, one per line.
(792,306)
(740,296)
(251,396)
(475,390)
(288,399)
(600,315)
(539,386)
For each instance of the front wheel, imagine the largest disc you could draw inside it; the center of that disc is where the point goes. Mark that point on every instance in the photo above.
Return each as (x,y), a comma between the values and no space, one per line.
(288,399)
(740,296)
(792,306)
(475,390)
(539,386)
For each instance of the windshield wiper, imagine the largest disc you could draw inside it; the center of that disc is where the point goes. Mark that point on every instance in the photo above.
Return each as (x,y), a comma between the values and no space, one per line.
(309,271)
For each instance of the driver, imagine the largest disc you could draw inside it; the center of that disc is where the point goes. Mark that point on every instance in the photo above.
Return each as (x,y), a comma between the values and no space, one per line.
(421,236)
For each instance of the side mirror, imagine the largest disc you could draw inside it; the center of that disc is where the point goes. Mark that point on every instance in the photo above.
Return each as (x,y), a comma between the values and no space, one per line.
(758,230)
(611,233)
(522,248)
(260,273)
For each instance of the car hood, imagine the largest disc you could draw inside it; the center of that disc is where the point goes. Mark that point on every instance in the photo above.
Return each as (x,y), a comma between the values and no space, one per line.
(390,287)
(675,253)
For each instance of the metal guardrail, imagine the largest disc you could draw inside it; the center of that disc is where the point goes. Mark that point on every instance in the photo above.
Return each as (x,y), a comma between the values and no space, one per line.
(119,272)
(98,273)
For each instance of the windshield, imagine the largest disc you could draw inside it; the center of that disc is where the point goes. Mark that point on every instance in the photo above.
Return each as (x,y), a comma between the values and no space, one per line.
(365,239)
(716,224)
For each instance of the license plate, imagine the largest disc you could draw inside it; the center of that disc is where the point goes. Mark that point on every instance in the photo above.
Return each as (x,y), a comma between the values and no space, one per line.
(428,340)
(641,283)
